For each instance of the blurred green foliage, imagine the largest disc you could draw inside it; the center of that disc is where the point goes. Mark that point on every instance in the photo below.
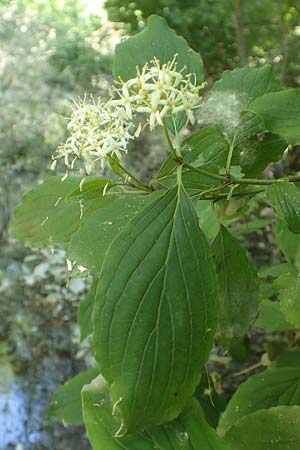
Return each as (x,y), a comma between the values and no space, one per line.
(50,53)
(270,28)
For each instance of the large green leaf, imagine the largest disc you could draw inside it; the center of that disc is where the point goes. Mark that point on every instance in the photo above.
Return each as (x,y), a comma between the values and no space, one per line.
(253,150)
(254,225)
(66,401)
(273,387)
(206,149)
(185,433)
(102,425)
(92,186)
(159,41)
(248,83)
(246,129)
(276,270)
(284,197)
(288,358)
(239,285)
(289,243)
(255,154)
(89,244)
(156,311)
(232,94)
(229,97)
(280,112)
(46,217)
(273,429)
(86,310)
(289,294)
(271,317)
(207,218)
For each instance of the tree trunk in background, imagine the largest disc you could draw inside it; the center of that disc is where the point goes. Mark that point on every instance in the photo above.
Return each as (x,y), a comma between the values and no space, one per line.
(284,43)
(240,36)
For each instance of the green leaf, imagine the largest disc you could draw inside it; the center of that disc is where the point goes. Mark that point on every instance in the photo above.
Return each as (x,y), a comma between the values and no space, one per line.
(46,217)
(268,290)
(176,122)
(102,425)
(276,347)
(248,83)
(284,197)
(89,244)
(159,41)
(289,294)
(252,149)
(271,317)
(206,149)
(257,153)
(252,226)
(245,129)
(238,348)
(156,311)
(280,112)
(66,401)
(232,94)
(184,433)
(273,429)
(91,185)
(273,387)
(289,243)
(207,219)
(275,270)
(85,312)
(229,97)
(239,285)
(288,359)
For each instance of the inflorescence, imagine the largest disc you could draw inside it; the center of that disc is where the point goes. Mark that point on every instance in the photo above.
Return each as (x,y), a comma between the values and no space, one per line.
(100,129)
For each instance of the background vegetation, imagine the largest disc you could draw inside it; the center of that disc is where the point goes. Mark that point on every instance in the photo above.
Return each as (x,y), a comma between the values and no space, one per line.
(51,52)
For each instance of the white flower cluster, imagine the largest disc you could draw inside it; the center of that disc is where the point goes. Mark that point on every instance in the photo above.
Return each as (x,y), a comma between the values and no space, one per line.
(96,130)
(100,129)
(159,91)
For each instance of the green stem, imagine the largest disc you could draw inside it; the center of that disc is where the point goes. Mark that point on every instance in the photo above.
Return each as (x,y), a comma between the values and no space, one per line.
(208,191)
(179,172)
(133,177)
(248,369)
(295,178)
(126,192)
(158,180)
(234,194)
(173,151)
(231,180)
(253,181)
(214,176)
(229,158)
